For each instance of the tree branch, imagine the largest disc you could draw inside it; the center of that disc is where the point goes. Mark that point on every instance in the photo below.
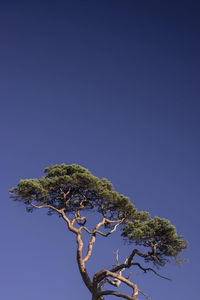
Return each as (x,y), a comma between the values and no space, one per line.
(99,232)
(65,194)
(95,231)
(123,279)
(130,258)
(81,263)
(61,212)
(121,295)
(93,238)
(45,206)
(120,278)
(73,229)
(101,275)
(116,282)
(128,264)
(149,269)
(115,293)
(114,221)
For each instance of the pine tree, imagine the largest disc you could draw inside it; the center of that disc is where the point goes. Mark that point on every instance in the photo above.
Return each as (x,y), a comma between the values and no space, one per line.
(72,192)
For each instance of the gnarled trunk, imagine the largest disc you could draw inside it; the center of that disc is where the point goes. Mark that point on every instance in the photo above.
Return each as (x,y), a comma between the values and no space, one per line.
(81,264)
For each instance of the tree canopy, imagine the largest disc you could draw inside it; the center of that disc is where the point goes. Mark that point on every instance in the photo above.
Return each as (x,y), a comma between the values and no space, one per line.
(69,191)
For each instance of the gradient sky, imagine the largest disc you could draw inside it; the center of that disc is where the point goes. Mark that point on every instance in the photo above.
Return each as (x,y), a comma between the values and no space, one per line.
(113,86)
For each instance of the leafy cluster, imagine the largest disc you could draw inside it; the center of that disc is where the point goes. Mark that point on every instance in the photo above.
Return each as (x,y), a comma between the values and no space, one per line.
(72,187)
(157,234)
(80,186)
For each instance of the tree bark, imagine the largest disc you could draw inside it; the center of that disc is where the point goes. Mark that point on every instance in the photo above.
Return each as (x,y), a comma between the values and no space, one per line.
(81,264)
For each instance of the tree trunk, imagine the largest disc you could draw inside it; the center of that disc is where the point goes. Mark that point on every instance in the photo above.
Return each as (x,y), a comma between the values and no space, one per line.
(94,297)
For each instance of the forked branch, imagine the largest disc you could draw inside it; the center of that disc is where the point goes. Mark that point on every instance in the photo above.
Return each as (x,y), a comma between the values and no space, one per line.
(92,240)
(99,232)
(95,231)
(129,260)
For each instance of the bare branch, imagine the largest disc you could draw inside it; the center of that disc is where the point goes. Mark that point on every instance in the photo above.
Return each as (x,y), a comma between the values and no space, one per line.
(61,212)
(117,256)
(126,265)
(93,238)
(45,206)
(99,232)
(114,221)
(105,273)
(149,269)
(130,258)
(78,219)
(81,221)
(117,294)
(67,200)
(84,200)
(119,278)
(69,223)
(116,282)
(94,232)
(65,194)
(145,295)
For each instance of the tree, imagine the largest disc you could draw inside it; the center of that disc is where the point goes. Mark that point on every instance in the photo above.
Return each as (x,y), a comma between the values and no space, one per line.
(72,192)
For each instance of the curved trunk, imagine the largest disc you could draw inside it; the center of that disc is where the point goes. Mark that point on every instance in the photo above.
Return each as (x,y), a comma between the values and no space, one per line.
(81,264)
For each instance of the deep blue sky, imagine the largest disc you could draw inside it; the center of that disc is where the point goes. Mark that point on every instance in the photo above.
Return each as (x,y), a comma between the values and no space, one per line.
(113,86)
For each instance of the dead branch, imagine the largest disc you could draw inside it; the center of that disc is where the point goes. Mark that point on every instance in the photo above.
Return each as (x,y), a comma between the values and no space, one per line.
(150,269)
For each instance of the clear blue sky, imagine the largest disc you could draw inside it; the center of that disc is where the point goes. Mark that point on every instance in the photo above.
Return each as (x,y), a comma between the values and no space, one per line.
(113,86)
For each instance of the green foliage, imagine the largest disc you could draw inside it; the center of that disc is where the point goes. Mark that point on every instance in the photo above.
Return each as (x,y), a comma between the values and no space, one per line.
(158,234)
(69,187)
(96,193)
